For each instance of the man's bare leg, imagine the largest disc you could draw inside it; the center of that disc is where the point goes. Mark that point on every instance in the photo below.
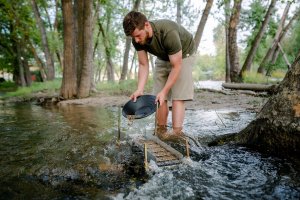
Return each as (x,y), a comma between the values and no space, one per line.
(178,113)
(162,116)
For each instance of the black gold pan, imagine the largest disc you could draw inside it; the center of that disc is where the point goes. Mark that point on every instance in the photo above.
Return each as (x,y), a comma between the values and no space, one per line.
(143,107)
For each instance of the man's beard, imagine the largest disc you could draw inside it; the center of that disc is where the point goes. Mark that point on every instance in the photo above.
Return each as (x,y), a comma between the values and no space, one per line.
(147,38)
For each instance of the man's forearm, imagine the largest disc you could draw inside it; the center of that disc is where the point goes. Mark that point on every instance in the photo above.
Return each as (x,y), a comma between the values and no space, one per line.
(173,76)
(142,77)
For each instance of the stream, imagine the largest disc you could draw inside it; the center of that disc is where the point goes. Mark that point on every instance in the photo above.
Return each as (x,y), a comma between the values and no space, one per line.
(71,152)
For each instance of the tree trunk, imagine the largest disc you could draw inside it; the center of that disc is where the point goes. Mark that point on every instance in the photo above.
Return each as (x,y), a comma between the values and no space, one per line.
(276,129)
(227,18)
(271,50)
(27,74)
(233,48)
(127,48)
(20,66)
(202,23)
(109,63)
(282,35)
(86,79)
(178,11)
(79,36)
(39,63)
(69,82)
(49,60)
(55,29)
(257,39)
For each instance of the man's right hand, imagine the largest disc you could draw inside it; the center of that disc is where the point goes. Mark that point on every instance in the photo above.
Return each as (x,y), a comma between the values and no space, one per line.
(136,94)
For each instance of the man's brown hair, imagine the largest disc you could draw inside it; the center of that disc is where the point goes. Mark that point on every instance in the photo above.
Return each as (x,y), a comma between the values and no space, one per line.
(132,21)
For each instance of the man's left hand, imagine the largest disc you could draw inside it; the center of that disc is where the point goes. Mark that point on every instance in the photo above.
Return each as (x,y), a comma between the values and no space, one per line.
(161,98)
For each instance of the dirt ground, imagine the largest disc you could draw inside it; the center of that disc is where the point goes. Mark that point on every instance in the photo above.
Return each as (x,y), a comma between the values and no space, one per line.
(203,100)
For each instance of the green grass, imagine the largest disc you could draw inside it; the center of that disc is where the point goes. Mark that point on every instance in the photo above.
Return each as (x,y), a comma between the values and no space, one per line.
(125,87)
(253,77)
(48,86)
(8,86)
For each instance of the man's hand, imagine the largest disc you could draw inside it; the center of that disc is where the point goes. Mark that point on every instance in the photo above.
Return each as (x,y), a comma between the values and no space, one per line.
(161,98)
(136,94)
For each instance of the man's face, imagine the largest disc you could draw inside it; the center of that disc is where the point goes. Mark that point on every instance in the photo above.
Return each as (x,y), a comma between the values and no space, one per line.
(140,36)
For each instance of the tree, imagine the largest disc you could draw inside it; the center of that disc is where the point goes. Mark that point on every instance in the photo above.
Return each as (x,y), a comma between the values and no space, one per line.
(202,23)
(281,37)
(276,128)
(232,41)
(127,47)
(69,82)
(179,4)
(16,35)
(274,44)
(257,39)
(87,50)
(78,49)
(49,60)
(227,60)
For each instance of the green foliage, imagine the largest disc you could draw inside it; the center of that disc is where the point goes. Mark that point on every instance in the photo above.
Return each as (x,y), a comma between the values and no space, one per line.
(291,43)
(7,86)
(125,87)
(253,77)
(209,67)
(49,86)
(251,19)
(17,28)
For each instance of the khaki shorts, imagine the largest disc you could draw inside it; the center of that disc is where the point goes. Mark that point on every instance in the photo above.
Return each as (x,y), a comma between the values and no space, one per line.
(183,89)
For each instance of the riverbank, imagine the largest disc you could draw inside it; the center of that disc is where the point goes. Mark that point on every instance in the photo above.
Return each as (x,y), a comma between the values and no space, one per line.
(205,99)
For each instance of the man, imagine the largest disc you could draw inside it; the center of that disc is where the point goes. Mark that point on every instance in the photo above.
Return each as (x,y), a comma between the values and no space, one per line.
(174,46)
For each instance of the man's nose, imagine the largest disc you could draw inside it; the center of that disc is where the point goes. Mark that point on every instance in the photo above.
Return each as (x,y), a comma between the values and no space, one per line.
(136,40)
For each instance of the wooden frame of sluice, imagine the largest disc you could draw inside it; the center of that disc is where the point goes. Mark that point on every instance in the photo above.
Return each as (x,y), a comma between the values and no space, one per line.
(153,148)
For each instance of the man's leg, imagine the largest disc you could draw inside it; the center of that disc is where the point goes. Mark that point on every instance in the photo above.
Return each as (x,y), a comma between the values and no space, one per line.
(178,112)
(162,116)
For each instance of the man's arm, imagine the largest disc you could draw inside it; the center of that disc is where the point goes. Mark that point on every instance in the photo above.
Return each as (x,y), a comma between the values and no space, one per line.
(142,74)
(176,61)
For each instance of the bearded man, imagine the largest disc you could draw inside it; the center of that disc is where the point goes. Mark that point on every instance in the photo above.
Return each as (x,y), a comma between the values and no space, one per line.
(174,47)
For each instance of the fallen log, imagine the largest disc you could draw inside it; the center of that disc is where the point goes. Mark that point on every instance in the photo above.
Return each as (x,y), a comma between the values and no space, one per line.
(250,86)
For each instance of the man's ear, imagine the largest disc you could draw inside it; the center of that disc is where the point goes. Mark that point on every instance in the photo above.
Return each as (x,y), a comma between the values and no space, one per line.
(147,24)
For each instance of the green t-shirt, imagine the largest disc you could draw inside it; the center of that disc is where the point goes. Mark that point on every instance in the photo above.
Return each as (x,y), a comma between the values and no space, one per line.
(168,39)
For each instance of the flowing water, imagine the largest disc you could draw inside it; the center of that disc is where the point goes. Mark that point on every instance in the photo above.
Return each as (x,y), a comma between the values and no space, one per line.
(71,152)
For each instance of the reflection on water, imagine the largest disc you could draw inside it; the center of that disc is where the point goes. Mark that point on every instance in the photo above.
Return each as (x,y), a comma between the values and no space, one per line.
(71,152)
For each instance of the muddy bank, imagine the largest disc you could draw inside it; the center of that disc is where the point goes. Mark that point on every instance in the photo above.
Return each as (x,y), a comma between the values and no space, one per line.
(204,100)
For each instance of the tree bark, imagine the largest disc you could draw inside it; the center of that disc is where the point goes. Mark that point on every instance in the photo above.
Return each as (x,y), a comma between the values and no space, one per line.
(79,36)
(20,65)
(86,79)
(49,61)
(233,48)
(69,82)
(109,63)
(227,60)
(257,39)
(253,87)
(27,74)
(202,23)
(178,11)
(276,129)
(271,50)
(55,29)
(127,48)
